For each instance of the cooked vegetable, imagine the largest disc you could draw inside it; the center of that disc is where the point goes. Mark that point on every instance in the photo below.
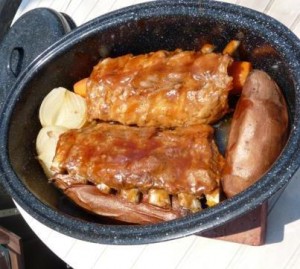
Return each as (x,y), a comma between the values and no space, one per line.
(258,133)
(239,72)
(231,47)
(46,145)
(59,111)
(63,108)
(80,87)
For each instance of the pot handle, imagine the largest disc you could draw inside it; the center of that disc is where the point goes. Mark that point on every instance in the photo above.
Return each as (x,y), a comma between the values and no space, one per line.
(30,35)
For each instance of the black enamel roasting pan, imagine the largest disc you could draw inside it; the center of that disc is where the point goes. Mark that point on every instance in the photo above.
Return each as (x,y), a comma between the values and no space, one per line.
(137,29)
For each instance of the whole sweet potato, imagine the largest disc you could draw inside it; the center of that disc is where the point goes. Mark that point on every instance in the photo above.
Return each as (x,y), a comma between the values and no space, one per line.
(257,135)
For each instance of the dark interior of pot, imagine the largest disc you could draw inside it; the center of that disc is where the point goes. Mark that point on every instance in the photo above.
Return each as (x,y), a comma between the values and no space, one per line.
(142,32)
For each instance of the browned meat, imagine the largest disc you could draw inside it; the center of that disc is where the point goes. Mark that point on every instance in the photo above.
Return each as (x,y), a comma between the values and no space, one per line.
(184,160)
(162,89)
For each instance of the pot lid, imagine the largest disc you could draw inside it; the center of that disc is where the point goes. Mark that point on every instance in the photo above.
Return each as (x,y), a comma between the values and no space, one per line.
(29,36)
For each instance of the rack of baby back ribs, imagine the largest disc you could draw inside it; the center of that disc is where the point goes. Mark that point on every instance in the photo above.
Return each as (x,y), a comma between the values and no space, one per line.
(135,140)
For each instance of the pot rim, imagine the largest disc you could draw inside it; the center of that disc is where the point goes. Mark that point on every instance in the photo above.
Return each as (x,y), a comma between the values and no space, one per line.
(276,178)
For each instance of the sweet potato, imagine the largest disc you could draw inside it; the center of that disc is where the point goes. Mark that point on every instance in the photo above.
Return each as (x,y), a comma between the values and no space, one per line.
(239,71)
(231,47)
(80,87)
(258,133)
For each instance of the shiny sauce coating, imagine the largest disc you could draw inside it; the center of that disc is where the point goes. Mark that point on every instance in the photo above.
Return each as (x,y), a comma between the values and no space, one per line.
(160,89)
(183,160)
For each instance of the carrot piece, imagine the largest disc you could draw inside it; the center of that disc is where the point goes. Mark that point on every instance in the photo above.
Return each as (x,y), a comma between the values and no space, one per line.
(207,48)
(239,72)
(80,87)
(231,47)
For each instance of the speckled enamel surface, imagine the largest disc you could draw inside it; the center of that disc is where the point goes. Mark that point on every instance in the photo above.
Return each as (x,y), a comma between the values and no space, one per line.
(143,28)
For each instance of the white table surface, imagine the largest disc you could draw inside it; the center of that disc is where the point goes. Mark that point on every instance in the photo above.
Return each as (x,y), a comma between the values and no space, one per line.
(282,248)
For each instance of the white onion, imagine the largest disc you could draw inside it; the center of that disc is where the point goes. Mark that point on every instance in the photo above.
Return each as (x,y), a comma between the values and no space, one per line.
(63,108)
(46,146)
